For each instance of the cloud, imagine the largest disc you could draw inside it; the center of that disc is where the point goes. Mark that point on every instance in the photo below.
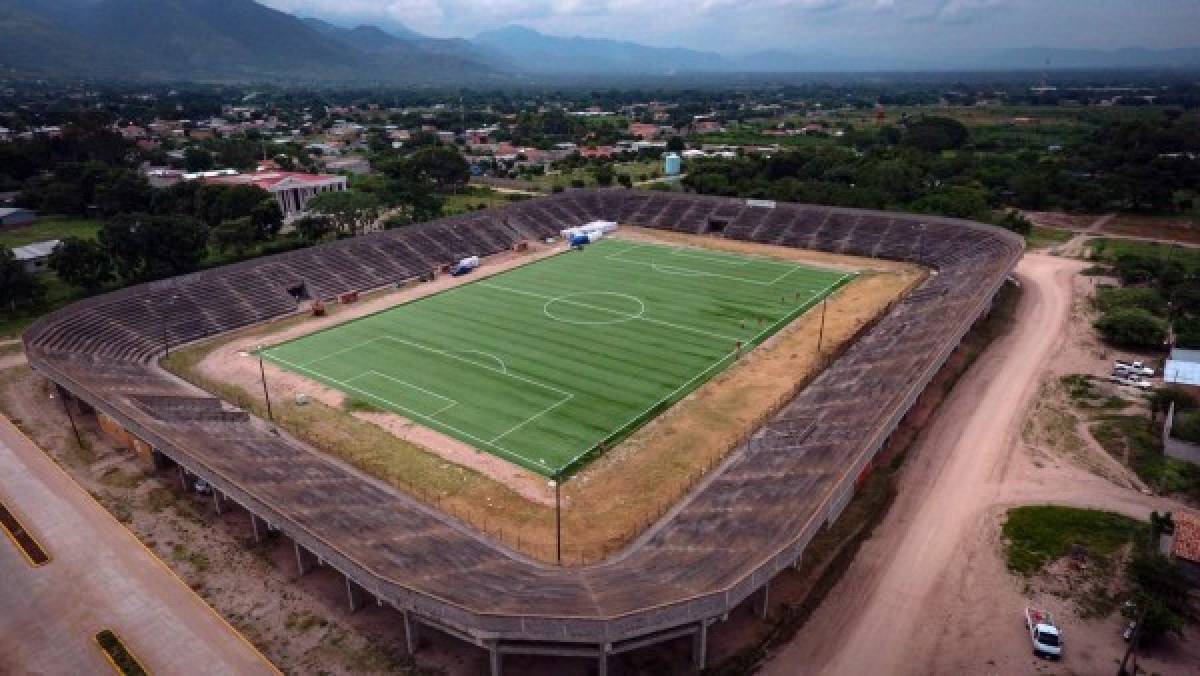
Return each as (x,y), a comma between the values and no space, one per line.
(848,25)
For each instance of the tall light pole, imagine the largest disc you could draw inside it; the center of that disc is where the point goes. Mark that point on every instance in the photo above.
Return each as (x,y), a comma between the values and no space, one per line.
(821,331)
(557,483)
(262,372)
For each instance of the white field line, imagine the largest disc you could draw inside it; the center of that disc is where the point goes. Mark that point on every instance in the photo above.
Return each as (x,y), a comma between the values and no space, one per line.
(677,390)
(791,268)
(451,355)
(433,421)
(453,402)
(599,308)
(530,419)
(342,351)
(708,258)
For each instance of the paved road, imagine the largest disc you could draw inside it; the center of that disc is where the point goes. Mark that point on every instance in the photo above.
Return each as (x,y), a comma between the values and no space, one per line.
(99,577)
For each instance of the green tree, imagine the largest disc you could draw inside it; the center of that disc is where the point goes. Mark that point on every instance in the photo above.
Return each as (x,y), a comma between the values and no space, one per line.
(82,263)
(1132,327)
(349,211)
(441,167)
(313,228)
(238,234)
(197,159)
(1013,220)
(19,289)
(603,175)
(675,144)
(1163,593)
(625,180)
(267,218)
(955,201)
(145,246)
(933,134)
(122,191)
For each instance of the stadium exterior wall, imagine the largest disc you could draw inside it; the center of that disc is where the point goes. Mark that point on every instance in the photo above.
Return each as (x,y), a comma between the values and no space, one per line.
(542,619)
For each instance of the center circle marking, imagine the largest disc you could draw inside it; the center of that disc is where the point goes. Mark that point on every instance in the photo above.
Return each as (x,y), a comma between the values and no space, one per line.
(578,301)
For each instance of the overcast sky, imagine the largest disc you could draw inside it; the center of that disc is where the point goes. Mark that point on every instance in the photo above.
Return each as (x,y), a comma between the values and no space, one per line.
(901,27)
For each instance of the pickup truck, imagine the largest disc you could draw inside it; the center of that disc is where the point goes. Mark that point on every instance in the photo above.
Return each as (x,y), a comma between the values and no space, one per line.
(1127,378)
(1134,367)
(1045,635)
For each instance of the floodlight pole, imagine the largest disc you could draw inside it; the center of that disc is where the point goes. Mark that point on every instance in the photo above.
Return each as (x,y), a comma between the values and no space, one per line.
(62,394)
(558,515)
(262,371)
(821,331)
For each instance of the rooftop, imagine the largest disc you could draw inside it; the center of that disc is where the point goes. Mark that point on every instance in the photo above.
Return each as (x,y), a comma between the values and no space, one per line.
(1183,368)
(1187,537)
(35,250)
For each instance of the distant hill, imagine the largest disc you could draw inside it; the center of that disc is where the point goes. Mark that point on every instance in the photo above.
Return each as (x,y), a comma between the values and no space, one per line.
(208,40)
(242,40)
(530,51)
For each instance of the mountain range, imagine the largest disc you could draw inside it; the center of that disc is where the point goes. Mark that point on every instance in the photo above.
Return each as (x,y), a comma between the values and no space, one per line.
(242,40)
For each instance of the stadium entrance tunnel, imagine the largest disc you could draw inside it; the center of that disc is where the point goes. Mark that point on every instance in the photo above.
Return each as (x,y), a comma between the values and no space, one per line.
(595,307)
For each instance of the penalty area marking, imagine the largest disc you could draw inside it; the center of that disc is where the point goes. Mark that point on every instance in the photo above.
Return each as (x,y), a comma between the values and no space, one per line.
(671,268)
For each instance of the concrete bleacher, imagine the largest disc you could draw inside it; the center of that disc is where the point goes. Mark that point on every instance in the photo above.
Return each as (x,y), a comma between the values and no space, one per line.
(751,520)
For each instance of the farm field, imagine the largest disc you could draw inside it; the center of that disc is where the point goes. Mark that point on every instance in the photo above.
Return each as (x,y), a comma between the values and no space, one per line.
(549,363)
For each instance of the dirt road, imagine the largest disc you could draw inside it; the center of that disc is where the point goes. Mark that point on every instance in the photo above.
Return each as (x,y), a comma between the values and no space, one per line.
(931,574)
(99,577)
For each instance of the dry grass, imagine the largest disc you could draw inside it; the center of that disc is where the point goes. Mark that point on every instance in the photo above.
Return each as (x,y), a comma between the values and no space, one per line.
(627,489)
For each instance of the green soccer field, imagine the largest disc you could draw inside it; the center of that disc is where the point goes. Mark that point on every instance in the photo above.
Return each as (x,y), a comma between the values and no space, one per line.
(547,363)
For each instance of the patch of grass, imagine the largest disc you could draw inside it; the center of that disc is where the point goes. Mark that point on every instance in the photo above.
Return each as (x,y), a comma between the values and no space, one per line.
(1133,440)
(121,657)
(1035,536)
(1084,393)
(158,499)
(120,479)
(302,622)
(51,227)
(360,405)
(1109,250)
(198,560)
(1042,237)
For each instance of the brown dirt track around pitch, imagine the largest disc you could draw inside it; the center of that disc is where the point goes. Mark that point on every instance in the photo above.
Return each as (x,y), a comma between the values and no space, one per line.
(621,493)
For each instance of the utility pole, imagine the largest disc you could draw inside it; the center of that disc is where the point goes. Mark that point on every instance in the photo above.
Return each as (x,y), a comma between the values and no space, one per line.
(62,394)
(821,331)
(262,371)
(557,481)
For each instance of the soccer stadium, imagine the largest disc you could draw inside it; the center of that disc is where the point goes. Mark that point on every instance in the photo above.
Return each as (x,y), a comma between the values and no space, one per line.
(559,364)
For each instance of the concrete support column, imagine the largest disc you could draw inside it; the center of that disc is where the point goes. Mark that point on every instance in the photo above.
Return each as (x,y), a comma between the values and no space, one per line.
(496,658)
(259,527)
(161,462)
(602,663)
(183,482)
(700,646)
(305,560)
(355,594)
(412,635)
(763,601)
(217,501)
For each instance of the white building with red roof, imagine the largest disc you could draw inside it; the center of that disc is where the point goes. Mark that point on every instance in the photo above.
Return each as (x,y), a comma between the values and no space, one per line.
(291,189)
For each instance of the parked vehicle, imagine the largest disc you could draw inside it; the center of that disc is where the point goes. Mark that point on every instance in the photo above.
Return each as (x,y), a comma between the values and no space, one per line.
(201,486)
(1043,633)
(1135,367)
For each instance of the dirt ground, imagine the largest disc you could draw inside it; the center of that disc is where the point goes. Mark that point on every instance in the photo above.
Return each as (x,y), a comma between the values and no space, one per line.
(929,591)
(616,497)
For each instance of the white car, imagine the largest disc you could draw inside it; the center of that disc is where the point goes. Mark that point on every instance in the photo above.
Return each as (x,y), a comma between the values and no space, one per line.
(1046,637)
(1134,367)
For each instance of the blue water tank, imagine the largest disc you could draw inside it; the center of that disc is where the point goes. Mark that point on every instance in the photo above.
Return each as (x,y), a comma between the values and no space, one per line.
(672,164)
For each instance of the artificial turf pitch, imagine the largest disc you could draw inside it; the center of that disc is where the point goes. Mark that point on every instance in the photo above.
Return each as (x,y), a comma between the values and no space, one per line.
(546,364)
